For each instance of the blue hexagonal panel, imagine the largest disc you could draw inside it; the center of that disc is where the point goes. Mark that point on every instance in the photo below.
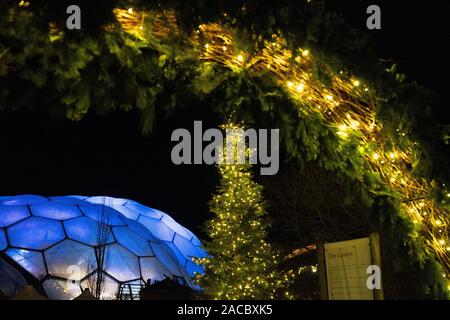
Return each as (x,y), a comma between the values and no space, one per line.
(121,264)
(132,241)
(85,230)
(23,200)
(35,233)
(54,210)
(100,212)
(157,228)
(32,261)
(153,269)
(70,259)
(12,214)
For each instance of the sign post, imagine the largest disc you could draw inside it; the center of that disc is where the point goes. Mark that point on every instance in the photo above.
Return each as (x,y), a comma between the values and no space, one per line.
(344,268)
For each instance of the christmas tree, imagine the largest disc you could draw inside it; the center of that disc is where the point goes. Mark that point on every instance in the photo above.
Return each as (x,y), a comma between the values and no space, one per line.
(241,263)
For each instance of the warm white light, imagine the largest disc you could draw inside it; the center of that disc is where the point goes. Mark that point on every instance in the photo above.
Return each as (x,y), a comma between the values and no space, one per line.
(300,87)
(354,124)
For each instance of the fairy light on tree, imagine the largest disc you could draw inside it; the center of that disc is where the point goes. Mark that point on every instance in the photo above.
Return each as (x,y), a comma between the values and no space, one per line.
(241,263)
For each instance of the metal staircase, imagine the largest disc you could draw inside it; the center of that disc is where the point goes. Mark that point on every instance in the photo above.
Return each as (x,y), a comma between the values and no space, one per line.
(129,291)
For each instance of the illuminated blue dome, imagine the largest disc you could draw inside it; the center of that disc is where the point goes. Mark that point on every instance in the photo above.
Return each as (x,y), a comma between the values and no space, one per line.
(58,239)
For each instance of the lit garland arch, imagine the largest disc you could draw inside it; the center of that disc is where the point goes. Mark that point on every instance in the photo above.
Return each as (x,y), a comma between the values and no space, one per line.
(346,104)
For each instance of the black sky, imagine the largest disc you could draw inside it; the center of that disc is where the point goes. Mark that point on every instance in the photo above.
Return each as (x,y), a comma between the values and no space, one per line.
(107,155)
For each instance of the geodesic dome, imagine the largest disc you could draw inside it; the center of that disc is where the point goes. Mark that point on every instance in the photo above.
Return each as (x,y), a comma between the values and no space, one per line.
(57,241)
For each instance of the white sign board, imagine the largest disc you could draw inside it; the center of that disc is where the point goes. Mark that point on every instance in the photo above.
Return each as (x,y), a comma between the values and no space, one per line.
(346,267)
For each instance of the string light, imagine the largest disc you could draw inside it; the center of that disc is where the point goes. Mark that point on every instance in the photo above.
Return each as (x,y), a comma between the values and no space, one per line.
(23,3)
(300,87)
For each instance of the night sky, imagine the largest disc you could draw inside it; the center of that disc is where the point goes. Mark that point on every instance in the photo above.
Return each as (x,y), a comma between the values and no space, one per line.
(107,155)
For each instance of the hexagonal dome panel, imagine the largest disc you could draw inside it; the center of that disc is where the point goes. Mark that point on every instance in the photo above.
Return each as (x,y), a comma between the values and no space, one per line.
(157,228)
(35,233)
(61,289)
(70,259)
(32,261)
(12,214)
(121,264)
(100,212)
(153,270)
(142,210)
(54,210)
(57,239)
(131,240)
(140,229)
(110,286)
(85,230)
(24,200)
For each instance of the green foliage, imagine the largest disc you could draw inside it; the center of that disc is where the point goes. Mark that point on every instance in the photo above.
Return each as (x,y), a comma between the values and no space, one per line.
(72,75)
(409,270)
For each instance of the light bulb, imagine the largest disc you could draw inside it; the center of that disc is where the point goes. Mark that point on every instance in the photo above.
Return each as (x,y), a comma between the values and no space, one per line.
(300,87)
